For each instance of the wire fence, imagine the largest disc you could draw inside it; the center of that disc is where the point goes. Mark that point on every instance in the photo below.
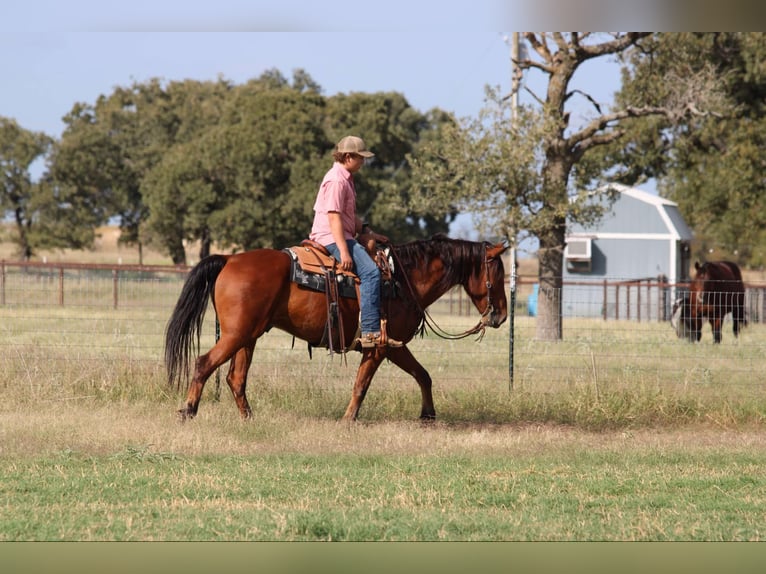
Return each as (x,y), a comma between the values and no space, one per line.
(57,319)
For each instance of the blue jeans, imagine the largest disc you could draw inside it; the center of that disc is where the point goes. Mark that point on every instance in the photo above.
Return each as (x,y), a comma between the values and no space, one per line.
(369,284)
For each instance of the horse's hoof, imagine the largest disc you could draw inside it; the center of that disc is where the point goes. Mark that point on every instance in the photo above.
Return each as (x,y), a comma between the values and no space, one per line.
(184,414)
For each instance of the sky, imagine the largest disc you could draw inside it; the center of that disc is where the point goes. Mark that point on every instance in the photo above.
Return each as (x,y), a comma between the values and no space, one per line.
(431,69)
(437,53)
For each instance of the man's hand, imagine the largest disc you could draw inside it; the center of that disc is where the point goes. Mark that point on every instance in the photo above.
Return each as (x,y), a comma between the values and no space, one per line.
(346,262)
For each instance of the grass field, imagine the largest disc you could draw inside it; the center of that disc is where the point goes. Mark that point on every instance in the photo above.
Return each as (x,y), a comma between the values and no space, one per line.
(90,448)
(130,472)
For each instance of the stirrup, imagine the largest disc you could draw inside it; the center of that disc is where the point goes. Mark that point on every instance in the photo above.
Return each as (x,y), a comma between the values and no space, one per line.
(373,340)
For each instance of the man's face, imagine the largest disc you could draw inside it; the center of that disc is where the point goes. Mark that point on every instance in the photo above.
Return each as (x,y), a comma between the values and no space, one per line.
(354,162)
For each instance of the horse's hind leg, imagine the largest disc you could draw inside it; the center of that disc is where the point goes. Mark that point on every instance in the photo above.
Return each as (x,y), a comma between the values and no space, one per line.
(403,358)
(204,366)
(738,316)
(237,379)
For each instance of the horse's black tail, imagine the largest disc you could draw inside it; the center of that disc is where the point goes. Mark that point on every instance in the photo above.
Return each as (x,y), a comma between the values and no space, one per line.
(182,333)
(738,307)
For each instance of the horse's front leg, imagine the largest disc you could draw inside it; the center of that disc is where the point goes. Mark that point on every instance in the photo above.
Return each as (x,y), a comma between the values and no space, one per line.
(403,358)
(371,359)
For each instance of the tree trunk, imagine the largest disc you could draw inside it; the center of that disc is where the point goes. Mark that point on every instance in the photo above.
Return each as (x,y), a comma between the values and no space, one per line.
(25,249)
(177,252)
(549,324)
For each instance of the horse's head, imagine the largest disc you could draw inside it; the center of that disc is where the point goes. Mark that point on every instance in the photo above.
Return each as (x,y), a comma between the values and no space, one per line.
(689,310)
(696,297)
(487,288)
(430,268)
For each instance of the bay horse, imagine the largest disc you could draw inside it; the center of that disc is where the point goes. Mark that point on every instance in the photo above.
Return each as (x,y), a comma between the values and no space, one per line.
(716,290)
(252,292)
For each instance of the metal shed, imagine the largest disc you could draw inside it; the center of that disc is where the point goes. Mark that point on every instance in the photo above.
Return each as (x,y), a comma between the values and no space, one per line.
(627,265)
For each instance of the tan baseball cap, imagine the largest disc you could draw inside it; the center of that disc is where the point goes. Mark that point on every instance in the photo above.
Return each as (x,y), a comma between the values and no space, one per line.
(353,144)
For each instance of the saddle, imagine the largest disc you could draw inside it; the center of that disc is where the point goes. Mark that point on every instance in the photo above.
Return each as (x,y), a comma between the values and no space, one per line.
(313,267)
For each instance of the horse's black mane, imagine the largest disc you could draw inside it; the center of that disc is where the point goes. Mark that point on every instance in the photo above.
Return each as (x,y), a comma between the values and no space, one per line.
(462,259)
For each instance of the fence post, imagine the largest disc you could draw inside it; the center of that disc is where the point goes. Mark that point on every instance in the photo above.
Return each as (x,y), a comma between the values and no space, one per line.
(61,286)
(2,282)
(115,284)
(511,317)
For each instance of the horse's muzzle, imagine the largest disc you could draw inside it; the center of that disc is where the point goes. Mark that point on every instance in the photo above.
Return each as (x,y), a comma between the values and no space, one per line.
(494,318)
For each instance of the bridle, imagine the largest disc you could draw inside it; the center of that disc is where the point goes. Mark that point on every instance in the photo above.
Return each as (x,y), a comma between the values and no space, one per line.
(428,321)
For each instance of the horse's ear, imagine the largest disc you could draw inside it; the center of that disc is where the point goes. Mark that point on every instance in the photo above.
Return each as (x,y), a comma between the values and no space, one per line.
(697,265)
(498,249)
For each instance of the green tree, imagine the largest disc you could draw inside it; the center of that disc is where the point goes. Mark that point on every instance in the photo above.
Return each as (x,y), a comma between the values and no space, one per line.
(245,182)
(20,197)
(251,180)
(181,162)
(108,148)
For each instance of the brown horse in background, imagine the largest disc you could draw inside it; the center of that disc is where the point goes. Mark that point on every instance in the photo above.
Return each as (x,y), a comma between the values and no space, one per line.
(252,292)
(716,290)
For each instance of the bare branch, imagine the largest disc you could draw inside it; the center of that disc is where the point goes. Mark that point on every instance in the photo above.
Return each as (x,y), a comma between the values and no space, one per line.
(597,140)
(561,42)
(600,123)
(587,97)
(574,45)
(538,99)
(541,47)
(590,137)
(527,64)
(618,44)
(695,94)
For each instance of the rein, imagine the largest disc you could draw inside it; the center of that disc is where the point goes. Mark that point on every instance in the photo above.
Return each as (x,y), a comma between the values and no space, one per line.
(428,321)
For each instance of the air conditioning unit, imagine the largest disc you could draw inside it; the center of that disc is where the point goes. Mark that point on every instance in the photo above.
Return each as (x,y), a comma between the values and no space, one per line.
(577,254)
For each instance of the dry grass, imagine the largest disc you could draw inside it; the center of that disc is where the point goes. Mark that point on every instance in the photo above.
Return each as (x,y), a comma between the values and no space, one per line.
(96,429)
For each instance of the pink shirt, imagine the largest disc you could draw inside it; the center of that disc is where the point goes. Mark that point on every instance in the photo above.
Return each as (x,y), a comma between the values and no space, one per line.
(336,193)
